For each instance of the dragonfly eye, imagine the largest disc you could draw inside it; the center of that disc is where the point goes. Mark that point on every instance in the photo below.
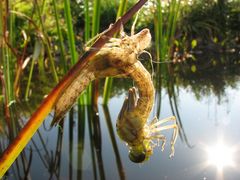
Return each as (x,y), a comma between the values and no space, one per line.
(137,157)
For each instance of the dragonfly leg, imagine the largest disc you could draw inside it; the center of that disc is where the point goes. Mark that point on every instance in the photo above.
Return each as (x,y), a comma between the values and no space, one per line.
(157,128)
(132,98)
(160,138)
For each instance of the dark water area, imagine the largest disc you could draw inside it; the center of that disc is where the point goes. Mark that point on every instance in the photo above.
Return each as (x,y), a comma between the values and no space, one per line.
(86,146)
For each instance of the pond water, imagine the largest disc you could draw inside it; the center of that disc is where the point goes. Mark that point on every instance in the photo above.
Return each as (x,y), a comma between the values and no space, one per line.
(88,147)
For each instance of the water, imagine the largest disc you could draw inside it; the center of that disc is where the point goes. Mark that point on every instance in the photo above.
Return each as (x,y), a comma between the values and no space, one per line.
(87,146)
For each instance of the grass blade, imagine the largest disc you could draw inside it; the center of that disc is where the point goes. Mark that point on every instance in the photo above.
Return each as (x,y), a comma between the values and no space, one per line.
(60,37)
(109,81)
(70,33)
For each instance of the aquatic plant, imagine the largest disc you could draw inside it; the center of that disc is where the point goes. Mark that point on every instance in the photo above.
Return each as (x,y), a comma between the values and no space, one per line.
(108,81)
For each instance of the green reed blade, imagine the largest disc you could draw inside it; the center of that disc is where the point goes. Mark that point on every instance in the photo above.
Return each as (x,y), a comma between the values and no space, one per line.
(60,37)
(166,28)
(36,54)
(46,42)
(86,21)
(174,24)
(93,87)
(70,33)
(109,81)
(5,52)
(107,90)
(122,8)
(96,17)
(84,99)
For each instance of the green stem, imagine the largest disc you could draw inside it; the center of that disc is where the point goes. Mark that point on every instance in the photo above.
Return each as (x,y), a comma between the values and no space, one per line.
(122,8)
(109,81)
(70,33)
(29,81)
(35,57)
(174,23)
(96,17)
(60,37)
(87,21)
(92,88)
(46,42)
(9,57)
(107,90)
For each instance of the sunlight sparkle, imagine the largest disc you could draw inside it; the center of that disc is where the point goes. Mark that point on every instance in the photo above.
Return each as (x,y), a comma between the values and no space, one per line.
(220,155)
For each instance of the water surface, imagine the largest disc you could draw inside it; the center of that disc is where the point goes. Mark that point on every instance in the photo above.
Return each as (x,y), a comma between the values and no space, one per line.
(87,146)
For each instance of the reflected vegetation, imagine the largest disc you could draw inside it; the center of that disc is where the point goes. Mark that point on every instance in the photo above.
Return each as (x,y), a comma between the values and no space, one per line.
(213,73)
(60,151)
(85,145)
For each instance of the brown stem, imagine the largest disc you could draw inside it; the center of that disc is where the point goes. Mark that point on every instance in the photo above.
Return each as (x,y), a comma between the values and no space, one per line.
(19,70)
(6,107)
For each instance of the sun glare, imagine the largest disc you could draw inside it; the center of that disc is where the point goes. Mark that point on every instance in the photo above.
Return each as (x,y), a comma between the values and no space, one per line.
(220,155)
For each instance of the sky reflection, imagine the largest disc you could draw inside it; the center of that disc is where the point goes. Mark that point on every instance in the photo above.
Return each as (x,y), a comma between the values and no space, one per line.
(219,159)
(220,155)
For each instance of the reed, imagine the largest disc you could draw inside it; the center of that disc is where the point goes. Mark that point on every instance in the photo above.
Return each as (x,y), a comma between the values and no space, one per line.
(70,32)
(37,48)
(92,91)
(109,81)
(87,35)
(86,21)
(45,39)
(6,56)
(91,29)
(165,28)
(60,37)
(36,55)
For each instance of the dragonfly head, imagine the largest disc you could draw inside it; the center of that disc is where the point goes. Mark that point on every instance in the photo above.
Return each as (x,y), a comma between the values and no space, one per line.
(140,153)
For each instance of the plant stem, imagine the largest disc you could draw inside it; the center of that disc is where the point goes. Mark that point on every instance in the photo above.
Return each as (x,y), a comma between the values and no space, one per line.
(60,37)
(86,21)
(70,33)
(109,81)
(92,91)
(46,42)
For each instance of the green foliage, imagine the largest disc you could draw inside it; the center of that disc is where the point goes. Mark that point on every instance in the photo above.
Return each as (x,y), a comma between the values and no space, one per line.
(194,43)
(166,18)
(193,68)
(207,19)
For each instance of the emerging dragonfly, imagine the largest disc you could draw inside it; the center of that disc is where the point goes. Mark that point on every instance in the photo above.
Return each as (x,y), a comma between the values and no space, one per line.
(119,58)
(139,136)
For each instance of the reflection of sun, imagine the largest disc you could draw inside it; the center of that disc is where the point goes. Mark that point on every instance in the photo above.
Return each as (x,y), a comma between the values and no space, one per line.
(220,155)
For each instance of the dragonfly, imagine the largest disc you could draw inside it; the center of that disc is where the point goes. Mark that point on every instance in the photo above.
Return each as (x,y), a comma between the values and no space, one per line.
(119,58)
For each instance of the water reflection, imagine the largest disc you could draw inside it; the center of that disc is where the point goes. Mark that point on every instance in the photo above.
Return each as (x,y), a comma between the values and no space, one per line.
(220,158)
(220,155)
(114,142)
(85,145)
